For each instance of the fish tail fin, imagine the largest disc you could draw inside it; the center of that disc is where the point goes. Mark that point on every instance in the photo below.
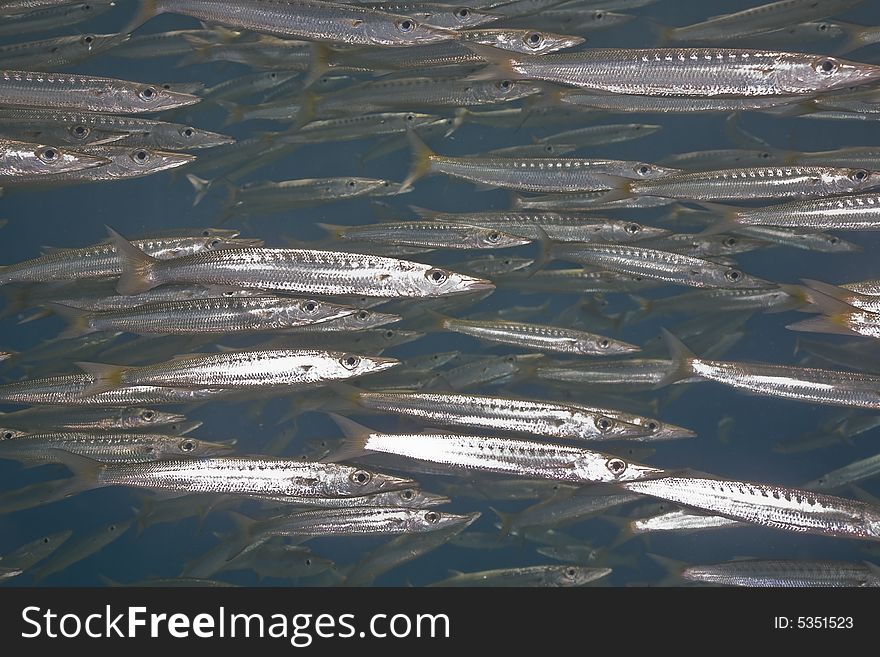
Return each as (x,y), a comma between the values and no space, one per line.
(645,306)
(424,213)
(507,520)
(682,360)
(674,569)
(235,112)
(106,377)
(77,319)
(346,391)
(421,164)
(664,34)
(499,63)
(307,110)
(729,218)
(831,324)
(42,313)
(320,61)
(137,266)
(3,277)
(243,539)
(201,186)
(355,443)
(832,291)
(625,532)
(147,10)
(619,188)
(86,473)
(334,231)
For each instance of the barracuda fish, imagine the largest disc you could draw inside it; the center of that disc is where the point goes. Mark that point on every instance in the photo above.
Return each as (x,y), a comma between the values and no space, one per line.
(540,576)
(767,505)
(670,104)
(24,161)
(698,72)
(682,520)
(103,260)
(657,264)
(279,561)
(103,297)
(858,212)
(712,247)
(86,93)
(20,560)
(279,196)
(294,270)
(557,226)
(85,546)
(123,163)
(108,447)
(770,300)
(50,17)
(58,52)
(539,336)
(573,17)
(635,374)
(430,234)
(223,315)
(242,476)
(849,474)
(754,20)
(531,174)
(839,317)
(173,42)
(89,127)
(37,420)
(358,127)
(436,14)
(238,370)
(522,458)
(302,19)
(601,134)
(550,419)
(583,280)
(788,574)
(812,385)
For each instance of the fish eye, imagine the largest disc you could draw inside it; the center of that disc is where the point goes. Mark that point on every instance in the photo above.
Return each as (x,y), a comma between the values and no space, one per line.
(187,132)
(599,15)
(653,426)
(410,117)
(140,156)
(7,435)
(643,170)
(111,528)
(310,306)
(214,243)
(616,466)
(407,494)
(437,276)
(604,424)
(187,445)
(351,183)
(822,27)
(833,240)
(88,39)
(632,229)
(148,415)
(432,517)
(493,236)
(45,540)
(730,241)
(406,25)
(389,334)
(48,155)
(362,315)
(148,94)
(360,477)
(534,39)
(462,12)
(570,572)
(733,275)
(826,65)
(505,84)
(859,175)
(604,343)
(350,361)
(79,131)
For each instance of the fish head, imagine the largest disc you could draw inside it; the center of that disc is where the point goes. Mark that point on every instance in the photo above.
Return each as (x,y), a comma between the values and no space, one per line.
(49,159)
(149,160)
(10,434)
(832,73)
(190,137)
(500,91)
(733,278)
(649,171)
(611,428)
(542,43)
(390,30)
(135,418)
(595,466)
(366,482)
(189,447)
(352,365)
(576,575)
(465,17)
(438,282)
(632,231)
(601,345)
(492,238)
(422,520)
(413,498)
(313,311)
(150,98)
(657,430)
(856,180)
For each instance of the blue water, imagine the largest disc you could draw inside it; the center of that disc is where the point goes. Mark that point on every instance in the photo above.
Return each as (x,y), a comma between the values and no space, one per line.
(76,216)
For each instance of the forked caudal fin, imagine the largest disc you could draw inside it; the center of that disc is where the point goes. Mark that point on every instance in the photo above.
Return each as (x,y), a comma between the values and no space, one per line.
(682,360)
(355,443)
(137,266)
(106,377)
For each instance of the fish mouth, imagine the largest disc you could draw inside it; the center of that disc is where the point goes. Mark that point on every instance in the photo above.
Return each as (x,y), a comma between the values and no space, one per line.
(673,432)
(392,482)
(379,364)
(471,284)
(639,472)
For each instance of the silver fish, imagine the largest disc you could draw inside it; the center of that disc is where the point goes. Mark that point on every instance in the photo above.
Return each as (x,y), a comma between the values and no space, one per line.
(21,559)
(58,52)
(23,161)
(36,420)
(528,576)
(780,573)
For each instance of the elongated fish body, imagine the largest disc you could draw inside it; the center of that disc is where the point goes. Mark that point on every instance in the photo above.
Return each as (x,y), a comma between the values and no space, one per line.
(58,52)
(523,458)
(296,270)
(768,506)
(784,182)
(701,72)
(22,161)
(540,337)
(857,212)
(849,474)
(102,260)
(436,14)
(22,558)
(221,315)
(69,390)
(359,522)
(657,264)
(636,373)
(50,17)
(244,369)
(107,447)
(303,19)
(557,226)
(683,520)
(124,162)
(671,104)
(431,234)
(87,93)
(103,297)
(250,476)
(37,420)
(784,573)
(555,420)
(536,576)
